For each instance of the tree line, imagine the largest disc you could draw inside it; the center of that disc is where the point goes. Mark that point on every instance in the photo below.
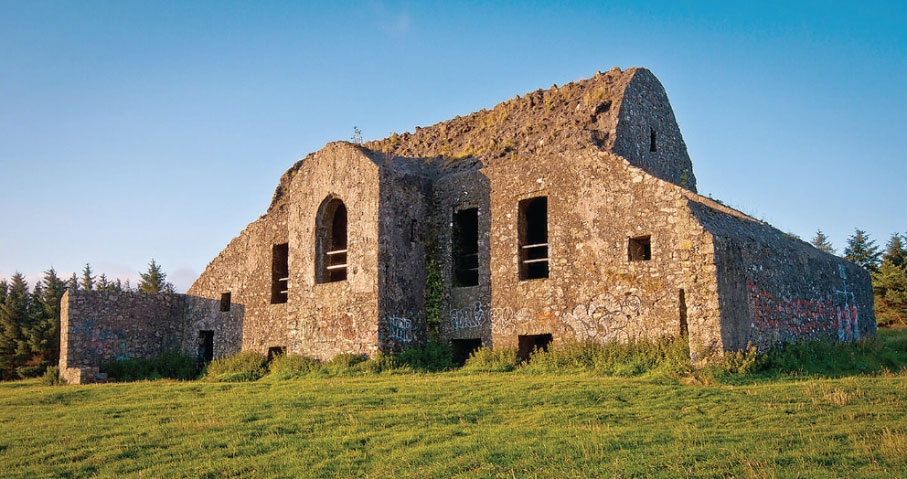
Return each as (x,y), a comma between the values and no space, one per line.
(887,267)
(30,318)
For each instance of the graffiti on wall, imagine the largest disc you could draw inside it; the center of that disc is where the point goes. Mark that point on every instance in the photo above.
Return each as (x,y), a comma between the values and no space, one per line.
(606,319)
(793,318)
(399,329)
(498,319)
(331,324)
(105,343)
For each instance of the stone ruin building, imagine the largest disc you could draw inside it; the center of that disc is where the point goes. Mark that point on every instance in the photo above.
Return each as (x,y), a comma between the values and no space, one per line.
(568,214)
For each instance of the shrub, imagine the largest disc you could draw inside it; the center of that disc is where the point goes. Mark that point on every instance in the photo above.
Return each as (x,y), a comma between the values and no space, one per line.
(173,365)
(493,361)
(669,356)
(287,366)
(245,366)
(433,357)
(52,377)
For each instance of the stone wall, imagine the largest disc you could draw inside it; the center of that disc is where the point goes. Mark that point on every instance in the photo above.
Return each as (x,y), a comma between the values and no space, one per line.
(647,134)
(774,288)
(100,327)
(633,252)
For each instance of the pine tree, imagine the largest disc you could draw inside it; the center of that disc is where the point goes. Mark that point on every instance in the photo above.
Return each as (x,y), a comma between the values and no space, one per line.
(889,284)
(73,283)
(862,250)
(154,280)
(894,251)
(13,321)
(45,337)
(87,281)
(103,284)
(821,242)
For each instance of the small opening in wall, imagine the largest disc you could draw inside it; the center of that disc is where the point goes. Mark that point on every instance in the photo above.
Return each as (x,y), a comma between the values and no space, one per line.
(640,248)
(652,145)
(466,247)
(682,300)
(531,342)
(533,230)
(275,351)
(225,302)
(463,348)
(205,347)
(280,273)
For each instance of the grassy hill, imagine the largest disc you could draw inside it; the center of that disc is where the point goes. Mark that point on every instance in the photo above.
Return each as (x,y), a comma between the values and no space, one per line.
(457,424)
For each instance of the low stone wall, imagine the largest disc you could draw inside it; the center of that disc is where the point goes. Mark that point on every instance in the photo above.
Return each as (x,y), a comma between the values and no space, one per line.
(99,327)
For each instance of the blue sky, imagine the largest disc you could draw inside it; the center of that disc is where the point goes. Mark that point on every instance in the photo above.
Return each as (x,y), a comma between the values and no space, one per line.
(139,130)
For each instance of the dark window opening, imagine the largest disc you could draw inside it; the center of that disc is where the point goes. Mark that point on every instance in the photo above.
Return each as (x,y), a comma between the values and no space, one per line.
(640,248)
(683,313)
(652,146)
(531,342)
(205,347)
(466,247)
(463,348)
(225,302)
(280,273)
(533,224)
(275,351)
(332,244)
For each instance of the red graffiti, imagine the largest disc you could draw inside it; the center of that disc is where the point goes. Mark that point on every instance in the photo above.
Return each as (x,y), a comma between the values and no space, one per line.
(794,318)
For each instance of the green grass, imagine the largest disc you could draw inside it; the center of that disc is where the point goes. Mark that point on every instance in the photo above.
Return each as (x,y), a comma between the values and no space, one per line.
(528,422)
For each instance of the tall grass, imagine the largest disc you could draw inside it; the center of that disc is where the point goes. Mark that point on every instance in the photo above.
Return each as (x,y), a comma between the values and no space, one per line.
(667,358)
(173,365)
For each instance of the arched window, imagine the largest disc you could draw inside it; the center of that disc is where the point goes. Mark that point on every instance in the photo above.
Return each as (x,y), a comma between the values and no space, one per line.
(331,241)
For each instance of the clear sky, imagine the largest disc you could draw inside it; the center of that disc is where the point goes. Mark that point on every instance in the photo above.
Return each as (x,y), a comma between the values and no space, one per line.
(139,130)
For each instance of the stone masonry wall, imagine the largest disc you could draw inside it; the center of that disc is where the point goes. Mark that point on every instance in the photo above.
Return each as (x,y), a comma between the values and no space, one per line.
(404,227)
(775,289)
(596,202)
(646,112)
(466,311)
(101,327)
(325,319)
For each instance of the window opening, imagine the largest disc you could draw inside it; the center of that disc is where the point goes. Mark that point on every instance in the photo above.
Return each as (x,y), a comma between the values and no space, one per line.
(332,242)
(652,146)
(225,302)
(534,238)
(640,248)
(205,347)
(466,247)
(463,348)
(275,351)
(683,313)
(280,273)
(531,342)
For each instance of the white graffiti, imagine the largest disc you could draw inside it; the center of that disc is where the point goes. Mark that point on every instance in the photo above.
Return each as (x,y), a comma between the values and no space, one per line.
(605,319)
(400,329)
(482,316)
(848,317)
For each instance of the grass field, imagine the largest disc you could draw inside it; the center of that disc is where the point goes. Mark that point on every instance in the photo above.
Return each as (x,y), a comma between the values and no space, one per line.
(460,424)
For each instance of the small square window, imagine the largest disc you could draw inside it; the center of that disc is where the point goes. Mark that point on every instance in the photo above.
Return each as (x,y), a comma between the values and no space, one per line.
(640,248)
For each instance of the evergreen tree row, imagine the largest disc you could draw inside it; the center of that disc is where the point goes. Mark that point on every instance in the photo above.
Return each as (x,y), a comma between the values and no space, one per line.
(888,269)
(30,319)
